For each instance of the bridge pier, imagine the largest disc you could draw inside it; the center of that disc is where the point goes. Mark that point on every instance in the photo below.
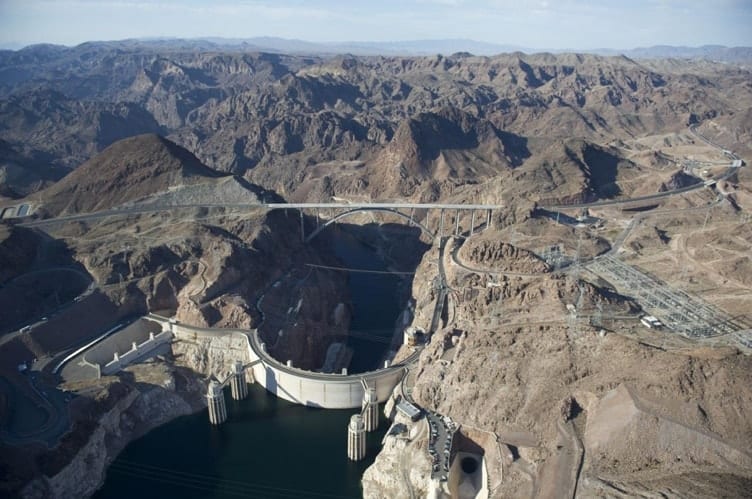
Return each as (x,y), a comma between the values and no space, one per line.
(370,409)
(472,222)
(441,223)
(216,402)
(457,223)
(302,226)
(238,385)
(356,438)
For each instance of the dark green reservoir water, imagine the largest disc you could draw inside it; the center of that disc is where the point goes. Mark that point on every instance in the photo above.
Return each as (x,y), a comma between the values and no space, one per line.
(375,299)
(268,447)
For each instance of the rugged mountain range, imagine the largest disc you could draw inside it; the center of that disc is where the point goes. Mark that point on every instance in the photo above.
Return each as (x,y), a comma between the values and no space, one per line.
(280,120)
(718,53)
(107,125)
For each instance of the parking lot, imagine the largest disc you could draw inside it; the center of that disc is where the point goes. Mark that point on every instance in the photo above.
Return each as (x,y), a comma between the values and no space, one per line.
(442,430)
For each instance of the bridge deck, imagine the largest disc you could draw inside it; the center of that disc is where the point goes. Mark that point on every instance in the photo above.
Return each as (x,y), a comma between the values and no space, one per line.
(395,206)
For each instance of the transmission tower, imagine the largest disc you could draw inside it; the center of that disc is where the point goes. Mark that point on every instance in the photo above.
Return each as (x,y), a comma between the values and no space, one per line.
(705,223)
(578,307)
(598,316)
(685,270)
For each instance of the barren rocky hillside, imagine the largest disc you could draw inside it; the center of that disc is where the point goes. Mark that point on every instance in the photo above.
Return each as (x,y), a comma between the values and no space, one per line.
(129,170)
(567,399)
(279,119)
(206,266)
(550,363)
(17,251)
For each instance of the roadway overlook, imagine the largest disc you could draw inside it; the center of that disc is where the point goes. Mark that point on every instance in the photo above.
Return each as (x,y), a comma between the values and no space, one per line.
(445,276)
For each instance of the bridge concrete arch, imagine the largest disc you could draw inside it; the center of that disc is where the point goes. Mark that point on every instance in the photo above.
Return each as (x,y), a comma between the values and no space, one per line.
(353,211)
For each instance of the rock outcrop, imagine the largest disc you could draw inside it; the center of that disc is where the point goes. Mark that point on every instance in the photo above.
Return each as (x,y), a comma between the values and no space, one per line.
(403,467)
(514,361)
(121,412)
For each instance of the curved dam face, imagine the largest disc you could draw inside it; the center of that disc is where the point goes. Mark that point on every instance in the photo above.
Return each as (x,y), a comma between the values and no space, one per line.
(327,391)
(376,308)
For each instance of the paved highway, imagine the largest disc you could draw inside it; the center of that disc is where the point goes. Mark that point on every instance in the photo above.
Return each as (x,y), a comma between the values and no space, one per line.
(392,206)
(156,208)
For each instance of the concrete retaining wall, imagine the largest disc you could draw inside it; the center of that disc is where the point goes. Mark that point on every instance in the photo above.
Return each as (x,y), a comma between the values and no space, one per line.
(137,352)
(122,341)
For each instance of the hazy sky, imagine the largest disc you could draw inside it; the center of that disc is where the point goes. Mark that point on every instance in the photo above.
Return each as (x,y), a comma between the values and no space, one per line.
(555,24)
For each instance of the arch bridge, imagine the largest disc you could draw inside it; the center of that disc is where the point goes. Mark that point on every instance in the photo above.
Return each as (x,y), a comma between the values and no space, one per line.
(403,210)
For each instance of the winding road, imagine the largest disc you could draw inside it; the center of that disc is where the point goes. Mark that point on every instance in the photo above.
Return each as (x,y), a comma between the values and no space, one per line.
(730,170)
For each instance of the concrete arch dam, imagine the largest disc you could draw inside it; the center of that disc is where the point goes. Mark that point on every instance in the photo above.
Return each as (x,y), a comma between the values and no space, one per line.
(327,391)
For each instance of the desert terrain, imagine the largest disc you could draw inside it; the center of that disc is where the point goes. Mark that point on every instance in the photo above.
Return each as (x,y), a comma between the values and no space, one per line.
(625,193)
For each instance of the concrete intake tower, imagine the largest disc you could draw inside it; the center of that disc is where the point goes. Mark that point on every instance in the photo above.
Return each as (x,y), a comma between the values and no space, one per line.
(238,384)
(356,438)
(370,409)
(215,399)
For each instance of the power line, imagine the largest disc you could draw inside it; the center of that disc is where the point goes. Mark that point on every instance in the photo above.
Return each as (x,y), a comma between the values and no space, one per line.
(369,337)
(180,482)
(364,271)
(209,482)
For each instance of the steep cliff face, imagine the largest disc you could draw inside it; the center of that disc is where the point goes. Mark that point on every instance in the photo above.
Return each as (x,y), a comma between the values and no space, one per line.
(403,467)
(125,407)
(120,412)
(18,247)
(209,355)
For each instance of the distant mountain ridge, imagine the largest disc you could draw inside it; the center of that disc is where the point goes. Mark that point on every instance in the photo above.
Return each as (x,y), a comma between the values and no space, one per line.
(718,53)
(313,127)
